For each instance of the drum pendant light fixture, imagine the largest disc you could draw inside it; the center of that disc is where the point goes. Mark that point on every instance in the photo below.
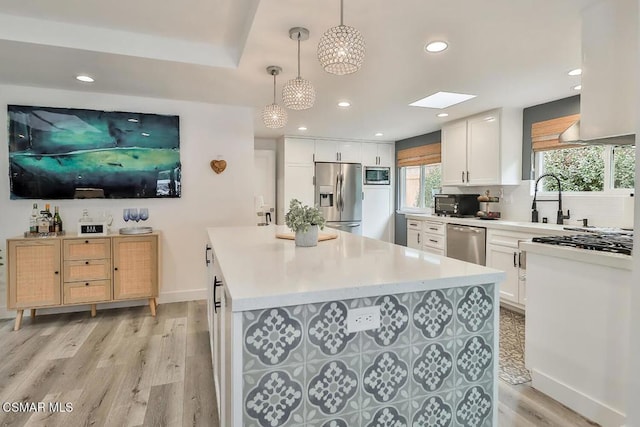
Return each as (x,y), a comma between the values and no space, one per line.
(273,115)
(298,94)
(341,48)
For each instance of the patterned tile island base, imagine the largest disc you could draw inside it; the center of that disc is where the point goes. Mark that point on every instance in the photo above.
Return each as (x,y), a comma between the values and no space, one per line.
(432,362)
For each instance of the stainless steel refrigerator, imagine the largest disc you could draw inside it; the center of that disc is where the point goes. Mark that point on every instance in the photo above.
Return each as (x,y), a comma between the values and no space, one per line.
(339,195)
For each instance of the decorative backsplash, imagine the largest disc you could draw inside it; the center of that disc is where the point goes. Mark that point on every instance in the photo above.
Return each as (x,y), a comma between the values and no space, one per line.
(429,364)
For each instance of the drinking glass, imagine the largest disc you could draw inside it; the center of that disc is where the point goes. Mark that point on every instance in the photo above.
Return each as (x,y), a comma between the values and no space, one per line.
(144,214)
(125,216)
(133,214)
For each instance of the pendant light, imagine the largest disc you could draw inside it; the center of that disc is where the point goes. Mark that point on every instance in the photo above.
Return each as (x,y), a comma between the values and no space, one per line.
(273,115)
(298,94)
(341,48)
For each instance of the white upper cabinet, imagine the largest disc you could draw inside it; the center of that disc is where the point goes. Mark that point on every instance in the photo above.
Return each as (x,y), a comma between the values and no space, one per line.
(485,149)
(338,151)
(298,151)
(454,153)
(378,154)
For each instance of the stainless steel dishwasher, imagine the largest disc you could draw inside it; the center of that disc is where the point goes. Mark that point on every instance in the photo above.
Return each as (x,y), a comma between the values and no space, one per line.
(467,243)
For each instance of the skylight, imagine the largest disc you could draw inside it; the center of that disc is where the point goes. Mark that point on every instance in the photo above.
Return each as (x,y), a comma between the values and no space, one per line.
(442,100)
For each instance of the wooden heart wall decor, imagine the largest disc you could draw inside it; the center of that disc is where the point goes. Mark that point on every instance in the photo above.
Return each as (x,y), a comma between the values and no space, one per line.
(218,166)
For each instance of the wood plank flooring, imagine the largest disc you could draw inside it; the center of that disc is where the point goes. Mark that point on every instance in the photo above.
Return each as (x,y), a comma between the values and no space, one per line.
(126,368)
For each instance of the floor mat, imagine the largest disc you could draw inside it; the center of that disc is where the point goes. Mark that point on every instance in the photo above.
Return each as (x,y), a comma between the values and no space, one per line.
(512,368)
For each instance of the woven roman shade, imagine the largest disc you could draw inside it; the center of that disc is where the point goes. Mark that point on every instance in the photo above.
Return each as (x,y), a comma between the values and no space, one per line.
(544,135)
(418,156)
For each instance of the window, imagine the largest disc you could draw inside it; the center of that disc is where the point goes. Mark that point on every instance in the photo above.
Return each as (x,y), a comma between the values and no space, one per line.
(581,168)
(418,184)
(588,168)
(420,176)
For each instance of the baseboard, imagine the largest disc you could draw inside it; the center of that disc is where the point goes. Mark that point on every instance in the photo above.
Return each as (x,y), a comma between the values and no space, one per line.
(181,296)
(586,406)
(164,298)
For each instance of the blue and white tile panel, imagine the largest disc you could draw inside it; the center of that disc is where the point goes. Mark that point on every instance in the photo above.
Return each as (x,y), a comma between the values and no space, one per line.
(429,364)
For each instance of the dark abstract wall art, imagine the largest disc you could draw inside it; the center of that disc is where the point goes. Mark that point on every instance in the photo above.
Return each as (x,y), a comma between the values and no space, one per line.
(66,153)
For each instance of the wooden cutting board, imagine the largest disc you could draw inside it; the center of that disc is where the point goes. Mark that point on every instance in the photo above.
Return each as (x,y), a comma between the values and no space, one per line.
(292,236)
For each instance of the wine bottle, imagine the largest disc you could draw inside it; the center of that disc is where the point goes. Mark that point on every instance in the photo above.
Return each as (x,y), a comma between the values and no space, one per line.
(33,220)
(47,209)
(57,221)
(43,222)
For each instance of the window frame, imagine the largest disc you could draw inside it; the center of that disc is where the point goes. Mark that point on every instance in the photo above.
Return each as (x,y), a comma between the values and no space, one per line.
(608,177)
(401,197)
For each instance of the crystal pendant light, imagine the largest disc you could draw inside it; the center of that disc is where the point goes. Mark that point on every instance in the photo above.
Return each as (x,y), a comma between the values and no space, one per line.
(273,115)
(341,48)
(298,94)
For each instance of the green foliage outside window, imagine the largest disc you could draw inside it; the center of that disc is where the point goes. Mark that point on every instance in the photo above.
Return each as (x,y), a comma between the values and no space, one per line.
(583,168)
(432,181)
(579,169)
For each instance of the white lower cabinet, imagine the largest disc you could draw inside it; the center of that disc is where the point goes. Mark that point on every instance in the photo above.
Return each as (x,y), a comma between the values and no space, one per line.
(503,254)
(377,213)
(427,235)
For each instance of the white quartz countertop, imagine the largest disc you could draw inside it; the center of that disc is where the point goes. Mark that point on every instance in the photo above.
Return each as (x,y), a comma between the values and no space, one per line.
(606,259)
(501,224)
(261,271)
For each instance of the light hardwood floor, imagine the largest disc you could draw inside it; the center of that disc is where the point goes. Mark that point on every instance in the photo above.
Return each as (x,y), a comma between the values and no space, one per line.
(126,368)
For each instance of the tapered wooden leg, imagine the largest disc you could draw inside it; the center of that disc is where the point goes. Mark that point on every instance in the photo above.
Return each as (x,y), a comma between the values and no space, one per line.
(33,313)
(18,320)
(152,306)
(93,310)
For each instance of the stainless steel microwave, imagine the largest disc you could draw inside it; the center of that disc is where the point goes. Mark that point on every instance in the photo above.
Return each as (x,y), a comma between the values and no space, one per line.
(376,175)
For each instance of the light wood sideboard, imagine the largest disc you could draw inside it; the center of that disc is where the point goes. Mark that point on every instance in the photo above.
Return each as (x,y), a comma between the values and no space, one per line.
(79,270)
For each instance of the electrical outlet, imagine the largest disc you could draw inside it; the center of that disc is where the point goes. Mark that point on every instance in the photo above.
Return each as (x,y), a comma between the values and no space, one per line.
(362,319)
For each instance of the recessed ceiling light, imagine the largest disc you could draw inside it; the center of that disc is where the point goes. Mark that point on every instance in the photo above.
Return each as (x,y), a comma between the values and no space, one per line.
(302,128)
(344,104)
(442,100)
(132,120)
(442,115)
(84,78)
(379,134)
(578,87)
(437,46)
(145,134)
(575,72)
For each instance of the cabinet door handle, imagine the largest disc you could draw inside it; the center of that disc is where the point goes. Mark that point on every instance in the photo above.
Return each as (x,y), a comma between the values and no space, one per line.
(116,268)
(56,272)
(514,259)
(519,259)
(86,263)
(86,284)
(433,240)
(216,304)
(86,241)
(467,176)
(433,228)
(206,252)
(418,237)
(462,176)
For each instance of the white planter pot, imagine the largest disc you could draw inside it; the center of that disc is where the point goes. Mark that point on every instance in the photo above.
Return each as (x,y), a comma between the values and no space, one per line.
(308,238)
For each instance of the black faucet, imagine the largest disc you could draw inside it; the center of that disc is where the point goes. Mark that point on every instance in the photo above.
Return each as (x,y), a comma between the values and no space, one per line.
(534,211)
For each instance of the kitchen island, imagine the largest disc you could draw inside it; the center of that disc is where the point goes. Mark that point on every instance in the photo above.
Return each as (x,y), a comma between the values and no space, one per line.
(285,353)
(577,328)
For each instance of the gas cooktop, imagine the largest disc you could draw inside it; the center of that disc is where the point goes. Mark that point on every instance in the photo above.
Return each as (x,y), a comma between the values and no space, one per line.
(605,242)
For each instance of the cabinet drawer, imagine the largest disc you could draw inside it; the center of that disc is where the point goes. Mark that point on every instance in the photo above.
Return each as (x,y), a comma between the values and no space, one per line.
(434,251)
(87,292)
(413,224)
(90,269)
(434,241)
(83,249)
(434,227)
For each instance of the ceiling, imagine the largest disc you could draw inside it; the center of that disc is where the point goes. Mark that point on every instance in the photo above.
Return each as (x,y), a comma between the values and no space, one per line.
(508,53)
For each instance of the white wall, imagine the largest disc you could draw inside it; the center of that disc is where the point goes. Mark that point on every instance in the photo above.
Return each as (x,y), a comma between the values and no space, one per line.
(265,144)
(207,132)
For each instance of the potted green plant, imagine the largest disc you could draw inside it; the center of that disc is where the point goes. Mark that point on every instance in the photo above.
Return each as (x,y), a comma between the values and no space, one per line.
(304,221)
